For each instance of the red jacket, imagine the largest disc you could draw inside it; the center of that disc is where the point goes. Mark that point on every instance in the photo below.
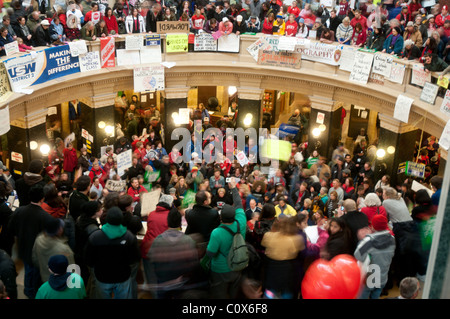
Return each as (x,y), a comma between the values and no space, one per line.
(294,10)
(100,173)
(156,225)
(70,160)
(136,192)
(372,211)
(291,28)
(362,20)
(111,24)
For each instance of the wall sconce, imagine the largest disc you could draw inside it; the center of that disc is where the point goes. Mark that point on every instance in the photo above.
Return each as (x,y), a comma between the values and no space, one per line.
(109,130)
(101,124)
(316,132)
(391,150)
(381,153)
(322,127)
(45,149)
(33,145)
(248,119)
(175,117)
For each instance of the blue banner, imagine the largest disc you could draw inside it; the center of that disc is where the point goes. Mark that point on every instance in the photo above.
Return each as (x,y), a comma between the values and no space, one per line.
(152,39)
(287,130)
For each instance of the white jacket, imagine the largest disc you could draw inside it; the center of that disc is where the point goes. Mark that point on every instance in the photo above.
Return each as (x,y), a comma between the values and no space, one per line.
(129,24)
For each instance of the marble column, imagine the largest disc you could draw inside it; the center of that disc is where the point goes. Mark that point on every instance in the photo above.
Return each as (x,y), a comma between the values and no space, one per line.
(402,137)
(249,102)
(175,99)
(329,138)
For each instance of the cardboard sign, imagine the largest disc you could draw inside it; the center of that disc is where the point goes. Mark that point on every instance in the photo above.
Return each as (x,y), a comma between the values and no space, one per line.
(107,52)
(402,108)
(445,106)
(229,43)
(124,161)
(280,59)
(205,42)
(149,201)
(90,61)
(116,186)
(172,27)
(429,92)
(361,68)
(419,76)
(134,42)
(150,78)
(11,48)
(397,73)
(176,43)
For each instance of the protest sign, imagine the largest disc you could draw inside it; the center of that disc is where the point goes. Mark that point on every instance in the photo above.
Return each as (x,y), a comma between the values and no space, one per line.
(78,48)
(127,57)
(205,42)
(176,43)
(361,68)
(134,42)
(229,43)
(123,162)
(445,106)
(402,108)
(116,186)
(90,61)
(287,130)
(279,59)
(152,39)
(382,64)
(429,92)
(444,141)
(5,125)
(11,48)
(151,54)
(149,201)
(254,48)
(5,88)
(419,76)
(397,72)
(172,27)
(107,52)
(347,58)
(148,78)
(242,158)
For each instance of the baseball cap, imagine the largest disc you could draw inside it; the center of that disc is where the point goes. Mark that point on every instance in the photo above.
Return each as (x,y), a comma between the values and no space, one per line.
(239,18)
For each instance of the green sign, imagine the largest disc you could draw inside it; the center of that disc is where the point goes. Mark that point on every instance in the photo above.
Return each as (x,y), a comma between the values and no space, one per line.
(176,42)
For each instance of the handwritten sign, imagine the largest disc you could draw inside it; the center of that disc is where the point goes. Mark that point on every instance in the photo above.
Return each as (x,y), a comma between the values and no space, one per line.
(127,57)
(90,61)
(183,116)
(123,162)
(78,48)
(347,58)
(116,186)
(287,43)
(152,39)
(429,92)
(376,78)
(151,54)
(229,43)
(134,42)
(280,59)
(444,141)
(5,88)
(205,42)
(397,72)
(176,43)
(149,78)
(419,76)
(4,120)
(443,81)
(445,106)
(254,48)
(402,108)
(273,42)
(382,64)
(16,157)
(11,48)
(149,201)
(172,27)
(361,68)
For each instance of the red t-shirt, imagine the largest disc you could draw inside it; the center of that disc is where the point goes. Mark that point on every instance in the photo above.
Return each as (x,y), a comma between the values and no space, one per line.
(291,28)
(197,22)
(294,10)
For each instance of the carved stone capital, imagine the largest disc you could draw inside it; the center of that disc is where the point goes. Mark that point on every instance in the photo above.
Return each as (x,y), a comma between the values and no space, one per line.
(250,93)
(176,92)
(394,125)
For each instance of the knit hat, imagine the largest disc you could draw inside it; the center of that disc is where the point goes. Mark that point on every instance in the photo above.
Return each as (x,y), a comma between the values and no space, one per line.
(166,199)
(35,166)
(301,20)
(58,264)
(228,213)
(195,168)
(380,222)
(114,216)
(279,16)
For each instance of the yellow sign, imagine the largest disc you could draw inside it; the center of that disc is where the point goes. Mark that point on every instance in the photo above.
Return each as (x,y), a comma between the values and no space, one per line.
(176,42)
(276,149)
(443,81)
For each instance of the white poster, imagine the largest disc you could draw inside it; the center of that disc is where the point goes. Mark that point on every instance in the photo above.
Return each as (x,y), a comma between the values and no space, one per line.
(397,72)
(127,57)
(116,186)
(287,43)
(149,78)
(205,42)
(429,92)
(445,106)
(123,162)
(321,52)
(320,117)
(444,141)
(382,64)
(361,68)
(11,48)
(4,120)
(134,42)
(419,76)
(229,43)
(347,58)
(242,158)
(254,48)
(78,48)
(149,201)
(183,116)
(402,108)
(151,54)
(16,157)
(69,139)
(90,61)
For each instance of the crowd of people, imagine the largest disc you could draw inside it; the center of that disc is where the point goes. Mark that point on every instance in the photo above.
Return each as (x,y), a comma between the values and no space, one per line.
(68,209)
(403,28)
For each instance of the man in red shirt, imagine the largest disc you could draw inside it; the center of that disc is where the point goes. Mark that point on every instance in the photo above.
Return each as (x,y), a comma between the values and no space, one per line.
(359,18)
(94,15)
(70,160)
(440,19)
(135,190)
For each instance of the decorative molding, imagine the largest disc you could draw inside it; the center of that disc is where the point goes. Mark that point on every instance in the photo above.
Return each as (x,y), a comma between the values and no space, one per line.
(176,93)
(324,104)
(394,125)
(250,93)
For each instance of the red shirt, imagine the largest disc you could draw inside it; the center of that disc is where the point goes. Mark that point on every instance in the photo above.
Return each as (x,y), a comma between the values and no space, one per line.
(70,159)
(100,173)
(362,20)
(267,27)
(197,22)
(111,24)
(291,28)
(134,193)
(294,10)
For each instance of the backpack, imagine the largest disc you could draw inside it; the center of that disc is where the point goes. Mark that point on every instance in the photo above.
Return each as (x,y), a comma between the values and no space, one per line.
(238,257)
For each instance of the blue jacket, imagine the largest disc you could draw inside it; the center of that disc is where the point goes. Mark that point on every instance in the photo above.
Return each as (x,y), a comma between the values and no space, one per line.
(4,41)
(398,45)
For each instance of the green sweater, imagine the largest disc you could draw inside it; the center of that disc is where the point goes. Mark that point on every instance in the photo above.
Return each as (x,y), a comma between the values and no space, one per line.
(47,292)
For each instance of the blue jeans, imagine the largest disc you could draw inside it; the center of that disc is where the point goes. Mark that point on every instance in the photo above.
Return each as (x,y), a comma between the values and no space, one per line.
(32,280)
(371,293)
(121,290)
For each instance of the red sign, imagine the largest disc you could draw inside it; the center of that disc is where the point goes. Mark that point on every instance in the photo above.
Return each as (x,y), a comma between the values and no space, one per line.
(107,52)
(16,157)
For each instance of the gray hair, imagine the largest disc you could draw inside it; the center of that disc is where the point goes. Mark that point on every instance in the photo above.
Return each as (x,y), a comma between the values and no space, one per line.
(409,42)
(372,199)
(409,287)
(391,193)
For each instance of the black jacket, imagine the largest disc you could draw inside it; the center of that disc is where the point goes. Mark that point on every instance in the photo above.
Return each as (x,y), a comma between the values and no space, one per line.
(41,37)
(111,258)
(8,274)
(150,21)
(76,200)
(355,221)
(5,215)
(84,227)
(24,184)
(203,220)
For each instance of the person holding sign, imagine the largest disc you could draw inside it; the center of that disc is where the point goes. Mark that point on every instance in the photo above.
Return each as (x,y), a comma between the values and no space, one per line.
(5,38)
